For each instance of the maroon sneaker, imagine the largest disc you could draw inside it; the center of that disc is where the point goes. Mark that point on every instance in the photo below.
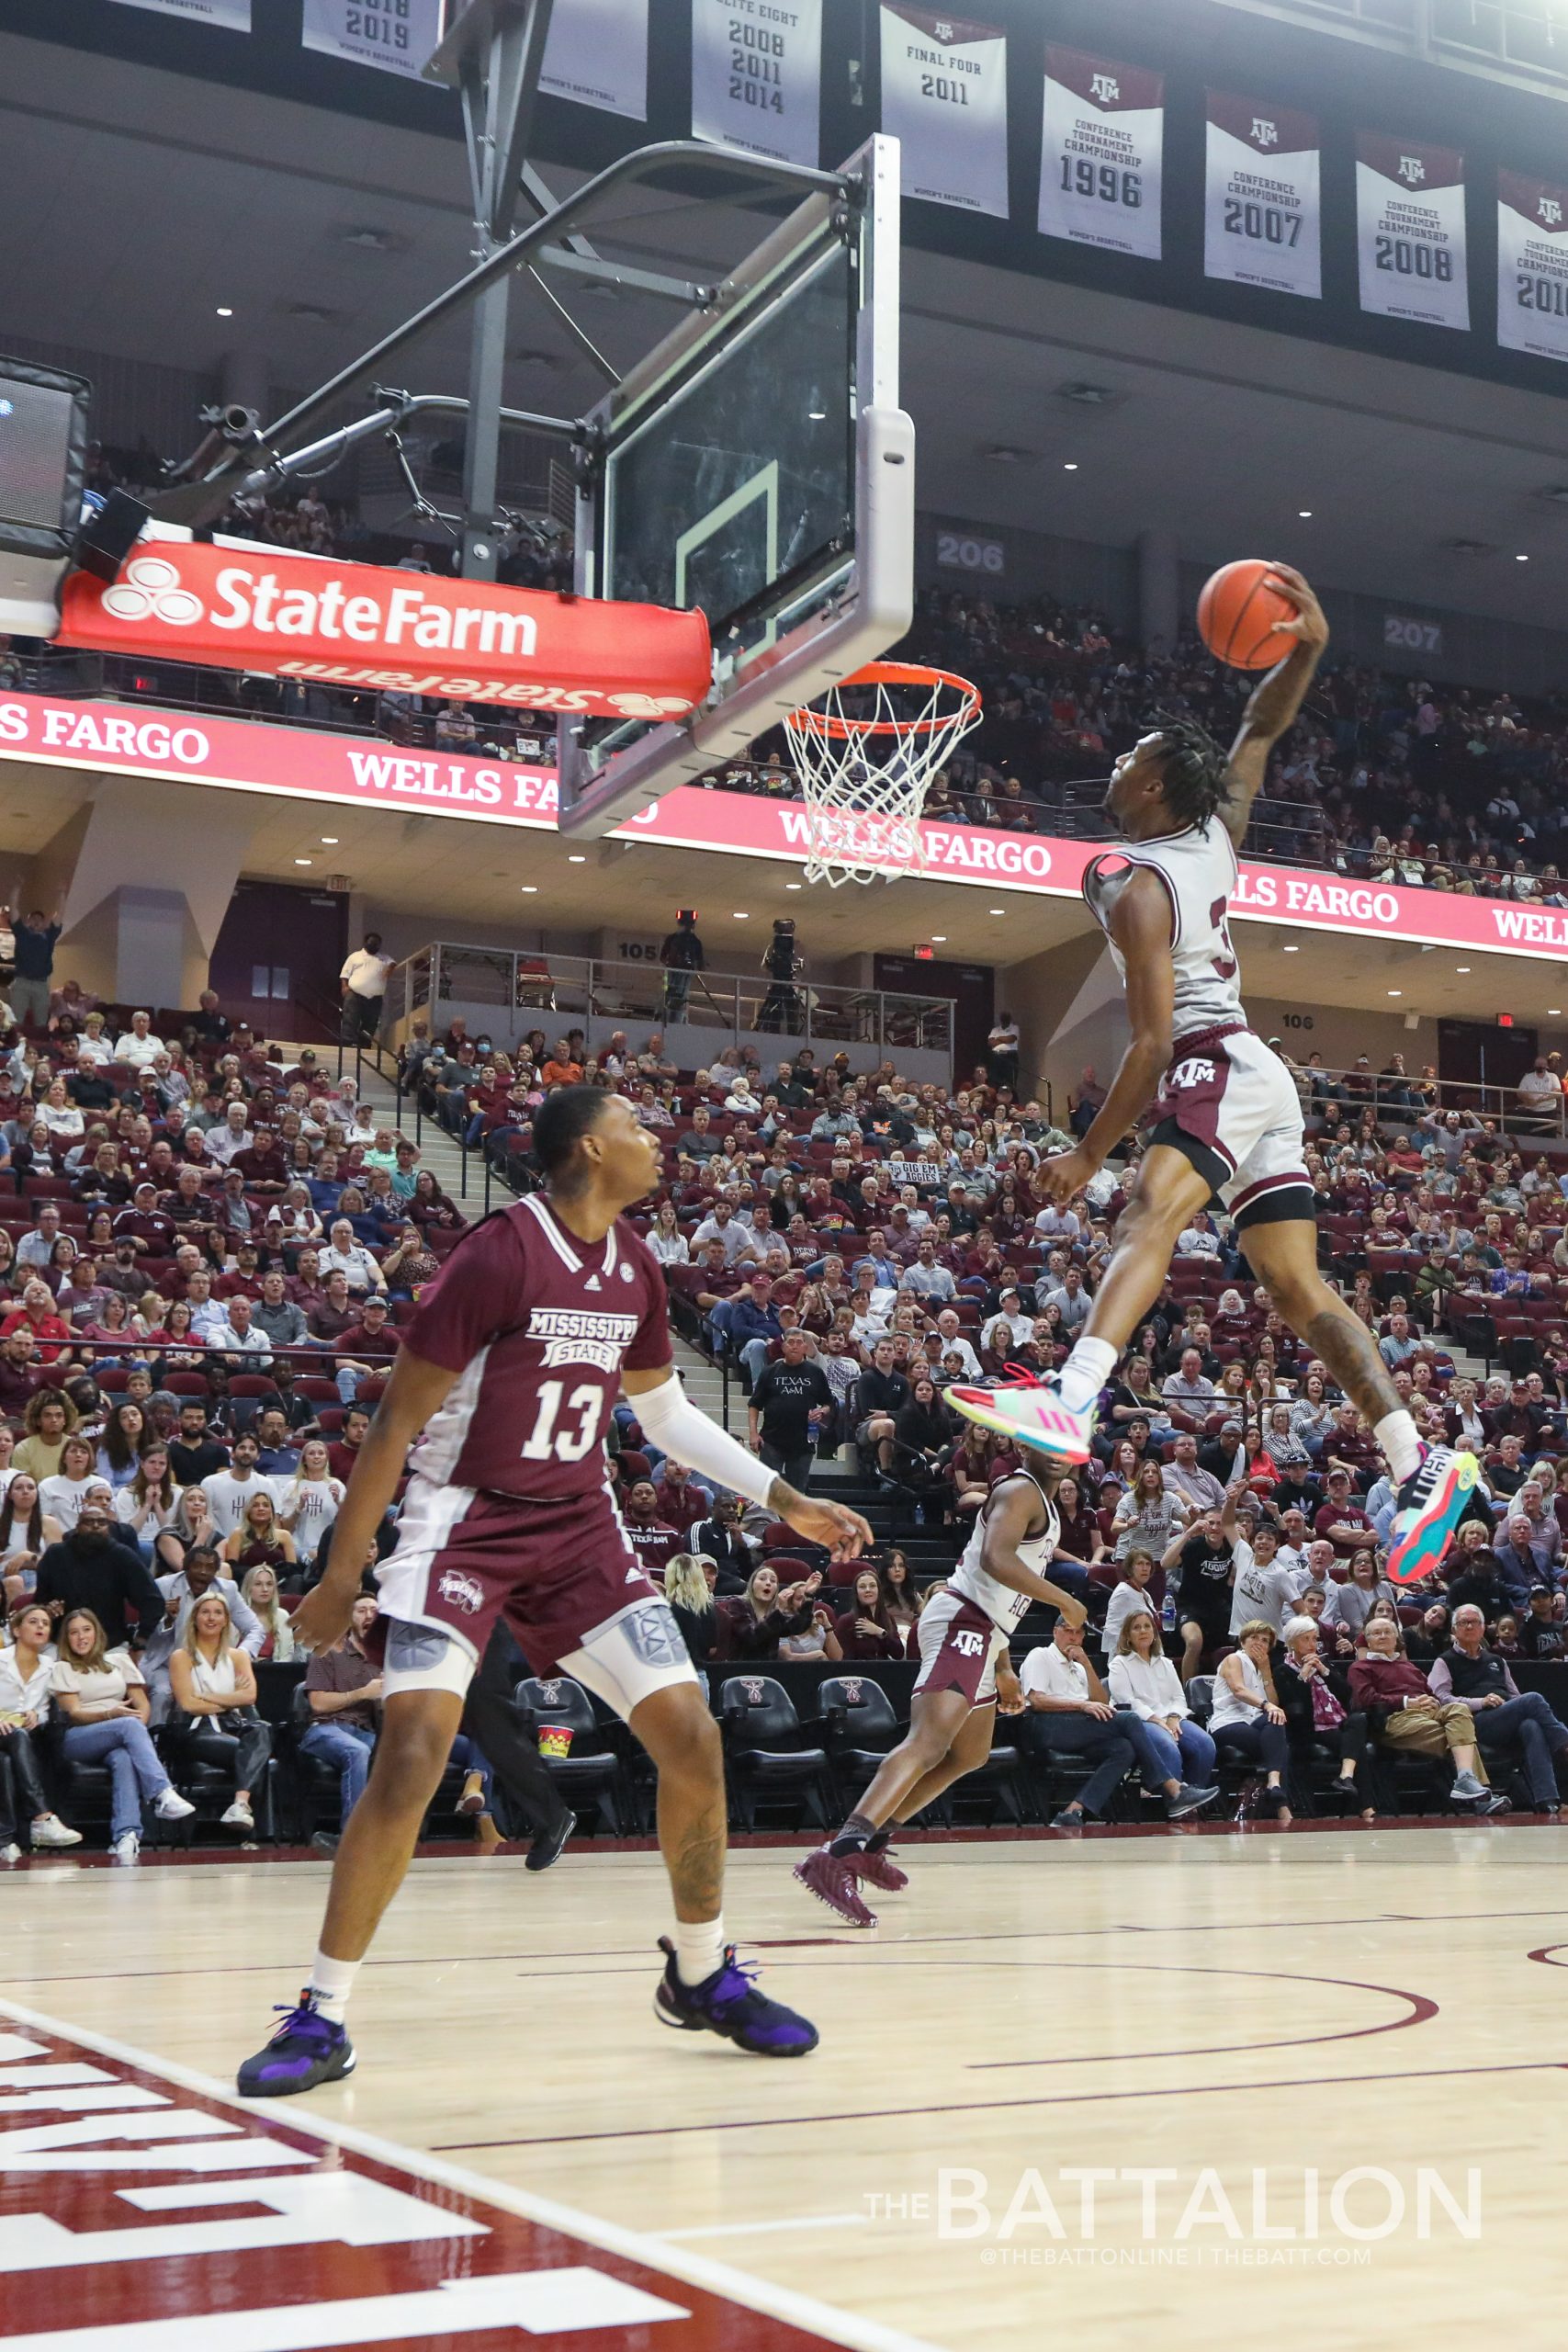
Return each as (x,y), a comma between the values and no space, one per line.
(831,1879)
(880,1868)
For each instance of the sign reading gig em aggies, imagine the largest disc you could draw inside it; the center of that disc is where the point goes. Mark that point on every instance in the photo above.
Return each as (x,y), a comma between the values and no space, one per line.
(1101,160)
(1262,216)
(945,98)
(596,52)
(1410,229)
(757,75)
(1532,266)
(359,625)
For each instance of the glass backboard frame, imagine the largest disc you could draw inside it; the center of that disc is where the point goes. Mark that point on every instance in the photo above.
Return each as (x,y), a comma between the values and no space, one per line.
(836,614)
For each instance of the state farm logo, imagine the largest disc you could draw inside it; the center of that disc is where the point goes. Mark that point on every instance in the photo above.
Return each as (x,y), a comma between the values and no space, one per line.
(151,590)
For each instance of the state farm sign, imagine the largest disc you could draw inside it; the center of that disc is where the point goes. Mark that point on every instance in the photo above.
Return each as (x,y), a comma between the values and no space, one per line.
(359,624)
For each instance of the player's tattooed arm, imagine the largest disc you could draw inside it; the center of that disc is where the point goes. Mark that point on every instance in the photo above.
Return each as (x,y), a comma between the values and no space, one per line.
(1275,702)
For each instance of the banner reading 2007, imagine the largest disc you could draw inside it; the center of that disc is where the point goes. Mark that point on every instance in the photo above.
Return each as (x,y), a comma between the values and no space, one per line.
(1532,266)
(1262,220)
(395,35)
(1410,229)
(1101,161)
(945,98)
(757,75)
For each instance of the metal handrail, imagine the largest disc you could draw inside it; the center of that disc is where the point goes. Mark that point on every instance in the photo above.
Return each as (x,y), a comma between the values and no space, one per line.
(1400,1100)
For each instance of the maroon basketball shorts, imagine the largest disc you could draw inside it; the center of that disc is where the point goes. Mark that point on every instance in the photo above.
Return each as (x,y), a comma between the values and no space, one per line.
(959,1648)
(1228,1102)
(562,1574)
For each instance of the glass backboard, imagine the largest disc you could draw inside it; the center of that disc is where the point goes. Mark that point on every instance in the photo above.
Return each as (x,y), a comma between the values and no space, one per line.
(757,464)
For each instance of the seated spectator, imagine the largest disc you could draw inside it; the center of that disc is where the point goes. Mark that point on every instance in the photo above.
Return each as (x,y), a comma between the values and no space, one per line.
(816,1642)
(1404,1714)
(1175,1753)
(27,1530)
(344,1698)
(1246,1719)
(310,1501)
(259,1541)
(145,1507)
(1069,1713)
(1140,1592)
(137,1047)
(90,1570)
(752,1626)
(1505,1719)
(26,1668)
(866,1630)
(259,1593)
(718,1538)
(214,1719)
(688,1589)
(1541,1634)
(1314,1693)
(63,1495)
(100,1692)
(1149,1517)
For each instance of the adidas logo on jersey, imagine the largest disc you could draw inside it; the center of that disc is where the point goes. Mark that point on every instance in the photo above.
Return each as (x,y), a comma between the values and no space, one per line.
(592,1284)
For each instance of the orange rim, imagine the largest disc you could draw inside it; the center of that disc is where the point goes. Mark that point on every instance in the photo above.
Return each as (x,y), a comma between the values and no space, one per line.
(890,673)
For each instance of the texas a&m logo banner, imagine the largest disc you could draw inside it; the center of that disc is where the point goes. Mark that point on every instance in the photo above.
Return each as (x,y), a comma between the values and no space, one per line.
(945,98)
(1262,214)
(1410,229)
(1532,266)
(1102,157)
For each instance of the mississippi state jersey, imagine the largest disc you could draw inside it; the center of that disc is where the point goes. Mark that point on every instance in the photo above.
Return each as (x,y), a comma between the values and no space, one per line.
(1003,1605)
(539,1326)
(1198,870)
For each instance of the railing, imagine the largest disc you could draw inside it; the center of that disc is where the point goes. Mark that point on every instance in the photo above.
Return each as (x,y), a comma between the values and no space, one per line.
(1519,39)
(732,1006)
(1399,1100)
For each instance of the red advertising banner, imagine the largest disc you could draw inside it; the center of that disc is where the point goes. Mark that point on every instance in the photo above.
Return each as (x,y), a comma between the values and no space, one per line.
(129,738)
(360,625)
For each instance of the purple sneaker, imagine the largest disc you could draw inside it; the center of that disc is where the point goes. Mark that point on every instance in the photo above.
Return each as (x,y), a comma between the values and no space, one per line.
(729,2003)
(307,2050)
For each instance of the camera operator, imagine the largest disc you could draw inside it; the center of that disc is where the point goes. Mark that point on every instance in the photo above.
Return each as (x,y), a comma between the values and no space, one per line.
(682,955)
(781,1006)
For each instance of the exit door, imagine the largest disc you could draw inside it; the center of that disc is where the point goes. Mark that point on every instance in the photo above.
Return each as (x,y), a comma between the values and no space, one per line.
(278,958)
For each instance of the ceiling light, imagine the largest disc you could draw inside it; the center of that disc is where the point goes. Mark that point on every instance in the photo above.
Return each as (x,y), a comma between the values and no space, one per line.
(224,311)
(817,416)
(1462,967)
(793,886)
(742,914)
(1070,466)
(1289,950)
(1554,1011)
(329,840)
(577,859)
(999,911)
(939,939)
(1303,514)
(530,889)
(1396,991)
(302,860)
(1521,559)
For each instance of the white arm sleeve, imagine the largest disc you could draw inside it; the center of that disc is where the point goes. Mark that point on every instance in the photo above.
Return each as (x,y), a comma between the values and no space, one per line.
(676,1425)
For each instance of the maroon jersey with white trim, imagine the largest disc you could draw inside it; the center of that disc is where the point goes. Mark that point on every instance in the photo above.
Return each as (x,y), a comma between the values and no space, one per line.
(1198,867)
(539,1326)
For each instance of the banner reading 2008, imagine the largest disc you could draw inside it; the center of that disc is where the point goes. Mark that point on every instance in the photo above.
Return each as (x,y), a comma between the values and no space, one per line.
(396,36)
(1532,267)
(757,75)
(1410,229)
(1101,161)
(1263,221)
(945,98)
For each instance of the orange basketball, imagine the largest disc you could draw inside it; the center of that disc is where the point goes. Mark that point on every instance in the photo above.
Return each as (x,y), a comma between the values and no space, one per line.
(1236,613)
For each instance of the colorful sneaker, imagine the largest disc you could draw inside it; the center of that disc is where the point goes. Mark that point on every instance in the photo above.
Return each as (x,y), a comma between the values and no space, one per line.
(1031,1412)
(1430,1501)
(729,2003)
(307,2050)
(880,1868)
(831,1879)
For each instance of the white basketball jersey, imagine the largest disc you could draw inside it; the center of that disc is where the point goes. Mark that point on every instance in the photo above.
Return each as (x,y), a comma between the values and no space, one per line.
(1003,1605)
(1198,870)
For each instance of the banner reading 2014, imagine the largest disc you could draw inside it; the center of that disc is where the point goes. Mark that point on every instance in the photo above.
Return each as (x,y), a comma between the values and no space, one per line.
(1410,229)
(1102,157)
(1263,220)
(1532,267)
(757,75)
(945,98)
(394,36)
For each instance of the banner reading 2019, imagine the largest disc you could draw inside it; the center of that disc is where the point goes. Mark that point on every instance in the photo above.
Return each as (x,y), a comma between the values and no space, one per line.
(1532,266)
(1410,229)
(394,36)
(1102,157)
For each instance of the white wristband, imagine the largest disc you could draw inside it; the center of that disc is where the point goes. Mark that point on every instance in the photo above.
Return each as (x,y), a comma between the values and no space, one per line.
(677,1427)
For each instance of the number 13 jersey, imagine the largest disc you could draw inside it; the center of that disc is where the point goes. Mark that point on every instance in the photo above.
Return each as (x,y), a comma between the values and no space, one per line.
(1198,870)
(539,1327)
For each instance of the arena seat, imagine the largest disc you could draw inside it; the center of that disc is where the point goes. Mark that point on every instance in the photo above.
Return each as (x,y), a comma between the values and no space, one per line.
(766,1752)
(592,1772)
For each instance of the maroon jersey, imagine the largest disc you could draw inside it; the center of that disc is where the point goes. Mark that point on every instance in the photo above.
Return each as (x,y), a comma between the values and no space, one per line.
(540,1325)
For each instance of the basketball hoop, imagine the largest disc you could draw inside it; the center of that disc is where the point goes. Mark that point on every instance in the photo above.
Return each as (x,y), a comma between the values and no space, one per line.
(865,751)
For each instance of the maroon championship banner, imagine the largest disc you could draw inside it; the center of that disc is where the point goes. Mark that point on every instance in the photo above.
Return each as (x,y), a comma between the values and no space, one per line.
(137,739)
(143,2210)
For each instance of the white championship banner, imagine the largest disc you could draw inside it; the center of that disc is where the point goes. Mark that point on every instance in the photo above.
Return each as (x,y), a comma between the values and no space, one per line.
(1102,154)
(1410,229)
(757,76)
(1262,213)
(945,98)
(233,15)
(1532,266)
(596,52)
(395,35)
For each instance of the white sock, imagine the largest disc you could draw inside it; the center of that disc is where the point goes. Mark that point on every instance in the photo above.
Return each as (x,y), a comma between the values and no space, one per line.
(1085,1373)
(1397,1435)
(699,1949)
(331,1982)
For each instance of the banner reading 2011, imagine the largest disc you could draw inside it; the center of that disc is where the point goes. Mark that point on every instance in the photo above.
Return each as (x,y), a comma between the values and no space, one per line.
(395,35)
(757,75)
(1262,219)
(945,98)
(1102,157)
(1532,266)
(1410,229)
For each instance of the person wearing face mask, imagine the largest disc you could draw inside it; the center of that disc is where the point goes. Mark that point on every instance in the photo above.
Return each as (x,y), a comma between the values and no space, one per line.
(91,1568)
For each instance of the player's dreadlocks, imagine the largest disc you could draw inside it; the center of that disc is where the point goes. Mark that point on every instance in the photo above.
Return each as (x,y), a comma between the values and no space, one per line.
(1194,766)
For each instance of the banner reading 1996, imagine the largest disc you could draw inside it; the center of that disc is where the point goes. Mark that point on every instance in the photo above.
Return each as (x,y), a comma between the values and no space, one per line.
(395,35)
(1263,220)
(1410,229)
(1532,266)
(945,98)
(1101,160)
(757,75)
(596,52)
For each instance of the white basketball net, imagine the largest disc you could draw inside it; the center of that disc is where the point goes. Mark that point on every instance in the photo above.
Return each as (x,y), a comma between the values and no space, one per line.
(866,753)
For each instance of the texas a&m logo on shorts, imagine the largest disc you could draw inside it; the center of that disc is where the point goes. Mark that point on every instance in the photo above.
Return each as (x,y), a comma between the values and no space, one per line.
(967,1643)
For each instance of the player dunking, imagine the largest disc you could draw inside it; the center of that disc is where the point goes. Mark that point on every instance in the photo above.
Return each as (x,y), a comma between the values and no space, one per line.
(965,1678)
(1228,1120)
(514,1357)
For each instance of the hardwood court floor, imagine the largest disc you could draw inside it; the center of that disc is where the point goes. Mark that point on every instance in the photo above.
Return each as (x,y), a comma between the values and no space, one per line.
(1389,1999)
